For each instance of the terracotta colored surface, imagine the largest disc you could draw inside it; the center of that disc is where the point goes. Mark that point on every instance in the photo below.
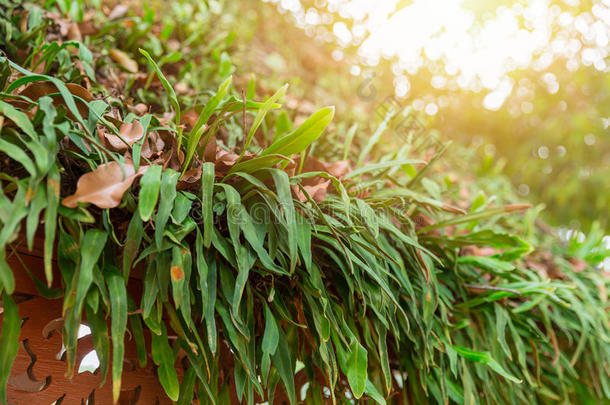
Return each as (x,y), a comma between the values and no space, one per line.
(38,376)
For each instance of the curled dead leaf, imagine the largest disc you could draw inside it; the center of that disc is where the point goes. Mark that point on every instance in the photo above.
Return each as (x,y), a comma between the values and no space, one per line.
(153,145)
(105,186)
(74,33)
(340,168)
(118,12)
(139,109)
(578,265)
(172,158)
(209,153)
(317,191)
(317,186)
(131,132)
(189,118)
(123,60)
(190,179)
(36,90)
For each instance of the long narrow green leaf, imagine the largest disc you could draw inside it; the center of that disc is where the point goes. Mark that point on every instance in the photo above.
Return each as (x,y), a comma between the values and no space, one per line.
(118,325)
(282,359)
(150,184)
(303,136)
(163,356)
(485,358)
(198,129)
(207,200)
(282,185)
(168,88)
(169,179)
(50,221)
(357,369)
(9,341)
(260,116)
(101,341)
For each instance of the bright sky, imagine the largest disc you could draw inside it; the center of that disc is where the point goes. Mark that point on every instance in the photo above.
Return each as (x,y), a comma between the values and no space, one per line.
(476,56)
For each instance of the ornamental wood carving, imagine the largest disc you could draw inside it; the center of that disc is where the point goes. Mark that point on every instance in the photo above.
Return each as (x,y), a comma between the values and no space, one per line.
(38,374)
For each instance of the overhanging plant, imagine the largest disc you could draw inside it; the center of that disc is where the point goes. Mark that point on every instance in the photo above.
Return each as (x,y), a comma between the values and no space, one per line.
(362,282)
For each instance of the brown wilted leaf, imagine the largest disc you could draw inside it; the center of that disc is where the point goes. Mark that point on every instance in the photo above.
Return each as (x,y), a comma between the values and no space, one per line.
(317,191)
(473,250)
(87,28)
(224,160)
(167,117)
(190,179)
(105,186)
(139,109)
(118,12)
(123,60)
(209,154)
(172,158)
(317,186)
(153,145)
(189,118)
(23,24)
(543,263)
(74,33)
(517,207)
(340,168)
(181,88)
(453,209)
(36,90)
(578,265)
(131,132)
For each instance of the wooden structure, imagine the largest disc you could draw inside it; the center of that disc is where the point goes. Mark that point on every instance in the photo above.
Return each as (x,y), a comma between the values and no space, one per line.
(38,374)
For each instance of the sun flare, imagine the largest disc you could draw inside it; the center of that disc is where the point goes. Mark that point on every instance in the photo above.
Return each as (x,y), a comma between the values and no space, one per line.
(475,55)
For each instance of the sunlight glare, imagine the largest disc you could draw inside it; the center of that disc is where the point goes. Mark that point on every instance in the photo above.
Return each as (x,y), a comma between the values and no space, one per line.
(476,55)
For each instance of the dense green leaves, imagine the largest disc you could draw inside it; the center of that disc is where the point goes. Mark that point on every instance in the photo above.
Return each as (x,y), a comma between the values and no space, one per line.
(199,128)
(287,275)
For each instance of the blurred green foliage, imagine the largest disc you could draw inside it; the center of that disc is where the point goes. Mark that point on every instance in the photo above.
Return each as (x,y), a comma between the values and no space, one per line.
(551,135)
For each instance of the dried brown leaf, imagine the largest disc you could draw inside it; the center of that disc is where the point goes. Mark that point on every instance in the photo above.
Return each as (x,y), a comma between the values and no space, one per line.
(339,168)
(139,109)
(190,179)
(578,265)
(105,186)
(131,132)
(317,190)
(124,60)
(36,90)
(74,33)
(118,12)
(189,118)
